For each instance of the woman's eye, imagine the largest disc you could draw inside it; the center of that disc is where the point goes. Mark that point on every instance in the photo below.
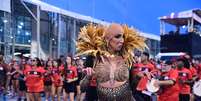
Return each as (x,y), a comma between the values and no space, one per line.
(118,36)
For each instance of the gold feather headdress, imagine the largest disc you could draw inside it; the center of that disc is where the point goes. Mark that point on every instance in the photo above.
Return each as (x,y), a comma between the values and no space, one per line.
(91,41)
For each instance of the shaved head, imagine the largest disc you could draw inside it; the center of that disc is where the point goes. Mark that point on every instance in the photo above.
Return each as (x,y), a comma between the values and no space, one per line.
(114,37)
(112,30)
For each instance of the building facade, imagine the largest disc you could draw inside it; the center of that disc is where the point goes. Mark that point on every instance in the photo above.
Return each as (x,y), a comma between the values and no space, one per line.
(37,29)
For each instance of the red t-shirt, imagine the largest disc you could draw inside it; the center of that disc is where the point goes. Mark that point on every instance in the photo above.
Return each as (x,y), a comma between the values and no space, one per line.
(184,74)
(34,79)
(56,75)
(141,68)
(71,72)
(193,71)
(170,93)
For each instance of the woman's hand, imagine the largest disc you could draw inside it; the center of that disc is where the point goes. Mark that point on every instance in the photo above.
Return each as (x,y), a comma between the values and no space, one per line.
(181,81)
(89,71)
(148,74)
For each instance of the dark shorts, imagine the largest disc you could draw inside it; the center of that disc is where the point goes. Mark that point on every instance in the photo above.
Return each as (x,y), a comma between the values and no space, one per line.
(197,98)
(139,96)
(77,82)
(184,97)
(22,85)
(91,94)
(2,81)
(47,83)
(83,89)
(79,79)
(69,87)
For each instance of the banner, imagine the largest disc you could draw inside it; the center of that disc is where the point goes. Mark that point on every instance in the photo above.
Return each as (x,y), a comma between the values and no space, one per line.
(5,5)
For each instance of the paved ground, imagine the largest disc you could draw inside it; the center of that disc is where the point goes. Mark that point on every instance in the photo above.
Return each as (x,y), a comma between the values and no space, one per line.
(8,98)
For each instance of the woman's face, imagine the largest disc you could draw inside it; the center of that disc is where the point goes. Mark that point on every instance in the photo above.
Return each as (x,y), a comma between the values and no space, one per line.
(166,68)
(68,60)
(180,64)
(55,64)
(143,58)
(49,63)
(80,62)
(23,61)
(116,42)
(34,62)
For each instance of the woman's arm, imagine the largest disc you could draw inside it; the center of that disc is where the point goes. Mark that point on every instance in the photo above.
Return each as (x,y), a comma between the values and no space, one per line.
(165,83)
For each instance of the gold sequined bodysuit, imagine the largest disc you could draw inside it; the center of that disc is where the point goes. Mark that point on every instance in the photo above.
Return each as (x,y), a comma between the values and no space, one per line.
(114,71)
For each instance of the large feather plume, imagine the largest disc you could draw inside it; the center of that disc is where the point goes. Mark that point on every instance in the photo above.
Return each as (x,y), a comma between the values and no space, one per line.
(132,41)
(91,41)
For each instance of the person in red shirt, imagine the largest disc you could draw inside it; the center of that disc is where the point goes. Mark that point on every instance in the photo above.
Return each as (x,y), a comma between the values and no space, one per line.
(193,72)
(56,77)
(70,76)
(140,71)
(168,82)
(185,77)
(34,80)
(47,79)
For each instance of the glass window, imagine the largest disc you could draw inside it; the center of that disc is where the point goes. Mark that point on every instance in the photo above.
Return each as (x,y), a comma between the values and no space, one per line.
(23,29)
(1,30)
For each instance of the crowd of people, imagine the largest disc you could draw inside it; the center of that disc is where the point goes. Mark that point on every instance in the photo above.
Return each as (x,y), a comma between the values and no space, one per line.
(110,71)
(60,79)
(27,78)
(174,78)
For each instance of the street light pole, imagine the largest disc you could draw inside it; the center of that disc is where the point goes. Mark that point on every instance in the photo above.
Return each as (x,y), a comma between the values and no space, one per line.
(38,31)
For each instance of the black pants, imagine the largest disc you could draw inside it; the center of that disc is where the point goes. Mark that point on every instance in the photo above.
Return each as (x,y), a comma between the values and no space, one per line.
(197,98)
(184,97)
(91,94)
(139,96)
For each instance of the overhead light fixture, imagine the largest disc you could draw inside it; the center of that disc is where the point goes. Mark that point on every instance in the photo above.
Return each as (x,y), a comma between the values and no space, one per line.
(21,23)
(20,27)
(5,21)
(27,33)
